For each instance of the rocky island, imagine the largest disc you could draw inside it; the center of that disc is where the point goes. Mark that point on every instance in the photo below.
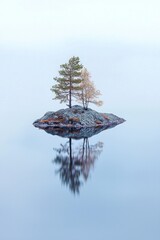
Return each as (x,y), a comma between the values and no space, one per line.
(83,123)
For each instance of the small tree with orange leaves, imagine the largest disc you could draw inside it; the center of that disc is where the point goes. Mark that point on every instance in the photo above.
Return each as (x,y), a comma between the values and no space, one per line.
(88,94)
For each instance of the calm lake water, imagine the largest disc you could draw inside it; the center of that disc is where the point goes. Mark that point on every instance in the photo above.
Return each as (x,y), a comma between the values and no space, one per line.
(118,196)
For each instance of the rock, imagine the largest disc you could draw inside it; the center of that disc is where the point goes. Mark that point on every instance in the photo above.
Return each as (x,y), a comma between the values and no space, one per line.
(77,117)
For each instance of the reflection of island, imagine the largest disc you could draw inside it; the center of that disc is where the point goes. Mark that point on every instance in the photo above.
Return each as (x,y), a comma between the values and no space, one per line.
(75,163)
(77,133)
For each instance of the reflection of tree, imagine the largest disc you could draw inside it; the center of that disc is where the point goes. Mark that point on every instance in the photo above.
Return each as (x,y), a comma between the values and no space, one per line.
(75,164)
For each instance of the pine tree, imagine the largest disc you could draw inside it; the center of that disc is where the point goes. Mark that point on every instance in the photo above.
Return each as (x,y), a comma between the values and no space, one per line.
(88,94)
(69,82)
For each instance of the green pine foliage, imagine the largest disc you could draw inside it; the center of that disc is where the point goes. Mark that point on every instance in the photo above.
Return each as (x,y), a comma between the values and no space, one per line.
(68,84)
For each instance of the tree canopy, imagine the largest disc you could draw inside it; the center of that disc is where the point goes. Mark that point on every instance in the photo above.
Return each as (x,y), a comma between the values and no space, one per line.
(75,81)
(68,83)
(88,93)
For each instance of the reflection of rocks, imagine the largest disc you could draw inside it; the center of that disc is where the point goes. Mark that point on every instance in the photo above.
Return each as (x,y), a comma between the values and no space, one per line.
(75,163)
(75,133)
(77,117)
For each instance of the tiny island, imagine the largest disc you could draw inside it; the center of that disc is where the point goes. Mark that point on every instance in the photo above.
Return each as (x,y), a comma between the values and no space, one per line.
(74,81)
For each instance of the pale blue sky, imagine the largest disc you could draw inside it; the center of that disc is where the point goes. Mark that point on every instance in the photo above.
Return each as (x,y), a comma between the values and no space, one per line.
(38,23)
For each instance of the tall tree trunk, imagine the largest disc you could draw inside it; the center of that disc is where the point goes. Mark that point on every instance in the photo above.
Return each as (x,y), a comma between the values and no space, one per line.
(70,93)
(70,101)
